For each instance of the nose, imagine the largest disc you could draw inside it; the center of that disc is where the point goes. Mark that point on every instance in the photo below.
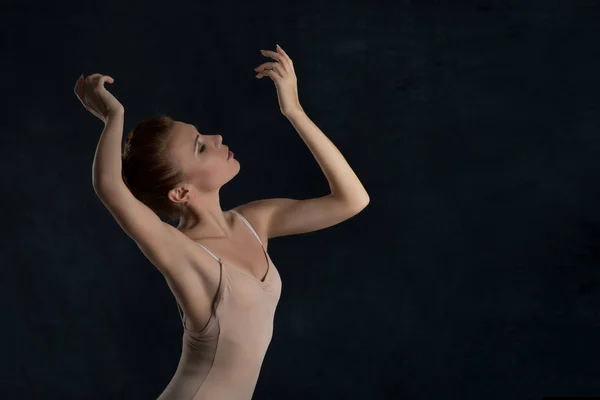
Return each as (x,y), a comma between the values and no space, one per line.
(219,140)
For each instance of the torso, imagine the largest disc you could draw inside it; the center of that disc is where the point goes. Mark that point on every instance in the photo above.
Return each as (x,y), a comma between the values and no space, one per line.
(196,289)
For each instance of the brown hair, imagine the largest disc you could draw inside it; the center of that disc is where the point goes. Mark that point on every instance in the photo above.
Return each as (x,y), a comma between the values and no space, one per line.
(148,171)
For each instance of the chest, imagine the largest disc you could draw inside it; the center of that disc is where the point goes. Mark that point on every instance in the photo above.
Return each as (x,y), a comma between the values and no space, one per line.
(244,252)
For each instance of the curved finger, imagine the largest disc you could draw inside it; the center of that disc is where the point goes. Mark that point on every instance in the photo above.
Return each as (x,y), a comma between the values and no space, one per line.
(279,57)
(280,70)
(264,73)
(107,78)
(286,57)
(90,79)
(277,68)
(102,79)
(273,65)
(288,67)
(264,65)
(283,61)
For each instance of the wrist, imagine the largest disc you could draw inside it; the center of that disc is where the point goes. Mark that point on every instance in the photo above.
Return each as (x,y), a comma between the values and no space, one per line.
(114,114)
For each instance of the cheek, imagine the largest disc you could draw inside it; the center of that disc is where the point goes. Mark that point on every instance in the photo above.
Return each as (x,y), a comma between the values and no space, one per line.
(216,162)
(210,167)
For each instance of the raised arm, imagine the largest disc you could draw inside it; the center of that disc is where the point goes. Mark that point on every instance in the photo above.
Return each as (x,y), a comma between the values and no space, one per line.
(155,238)
(160,242)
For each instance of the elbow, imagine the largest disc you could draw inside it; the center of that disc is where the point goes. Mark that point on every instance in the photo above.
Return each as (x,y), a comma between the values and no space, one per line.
(360,204)
(354,205)
(364,204)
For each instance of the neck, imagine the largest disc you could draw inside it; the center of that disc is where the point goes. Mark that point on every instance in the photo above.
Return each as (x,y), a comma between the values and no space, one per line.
(199,221)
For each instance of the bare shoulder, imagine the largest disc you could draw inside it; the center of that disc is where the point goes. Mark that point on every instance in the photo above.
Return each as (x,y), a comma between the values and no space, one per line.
(255,213)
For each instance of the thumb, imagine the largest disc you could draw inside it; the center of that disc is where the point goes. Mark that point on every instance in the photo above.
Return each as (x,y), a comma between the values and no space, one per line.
(103,79)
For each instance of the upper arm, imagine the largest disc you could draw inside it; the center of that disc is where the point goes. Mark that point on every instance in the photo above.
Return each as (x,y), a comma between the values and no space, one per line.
(283,216)
(154,237)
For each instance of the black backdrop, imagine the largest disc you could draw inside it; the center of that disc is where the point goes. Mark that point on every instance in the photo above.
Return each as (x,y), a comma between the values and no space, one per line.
(474,126)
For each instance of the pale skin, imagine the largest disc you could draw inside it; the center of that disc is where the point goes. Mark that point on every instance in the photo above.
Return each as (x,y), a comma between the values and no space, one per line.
(209,170)
(206,170)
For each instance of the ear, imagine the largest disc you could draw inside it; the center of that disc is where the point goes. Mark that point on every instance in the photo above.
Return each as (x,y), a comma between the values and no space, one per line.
(176,195)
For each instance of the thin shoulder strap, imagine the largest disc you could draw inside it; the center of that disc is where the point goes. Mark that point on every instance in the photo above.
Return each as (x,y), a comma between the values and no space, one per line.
(209,252)
(247,224)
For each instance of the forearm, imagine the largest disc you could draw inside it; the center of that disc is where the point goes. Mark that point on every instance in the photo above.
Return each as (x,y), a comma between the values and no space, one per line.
(343,182)
(107,163)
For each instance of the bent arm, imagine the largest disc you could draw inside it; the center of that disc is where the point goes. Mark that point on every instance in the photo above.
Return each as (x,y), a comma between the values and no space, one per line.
(161,243)
(344,185)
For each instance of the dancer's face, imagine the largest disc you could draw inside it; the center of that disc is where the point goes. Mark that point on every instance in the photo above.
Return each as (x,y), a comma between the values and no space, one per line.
(202,158)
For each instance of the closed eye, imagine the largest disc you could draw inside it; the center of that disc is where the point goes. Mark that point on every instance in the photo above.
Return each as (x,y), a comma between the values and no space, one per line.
(200,145)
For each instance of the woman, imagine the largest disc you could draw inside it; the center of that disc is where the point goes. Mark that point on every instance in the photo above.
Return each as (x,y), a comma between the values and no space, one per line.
(227,287)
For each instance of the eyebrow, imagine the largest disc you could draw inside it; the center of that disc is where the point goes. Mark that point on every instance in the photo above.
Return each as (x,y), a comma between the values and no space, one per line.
(196,140)
(196,143)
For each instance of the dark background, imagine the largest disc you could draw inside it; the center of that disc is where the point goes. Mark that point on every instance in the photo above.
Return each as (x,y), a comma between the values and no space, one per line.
(473,125)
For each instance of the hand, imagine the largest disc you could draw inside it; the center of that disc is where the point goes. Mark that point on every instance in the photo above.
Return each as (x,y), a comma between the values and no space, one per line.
(95,98)
(283,75)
